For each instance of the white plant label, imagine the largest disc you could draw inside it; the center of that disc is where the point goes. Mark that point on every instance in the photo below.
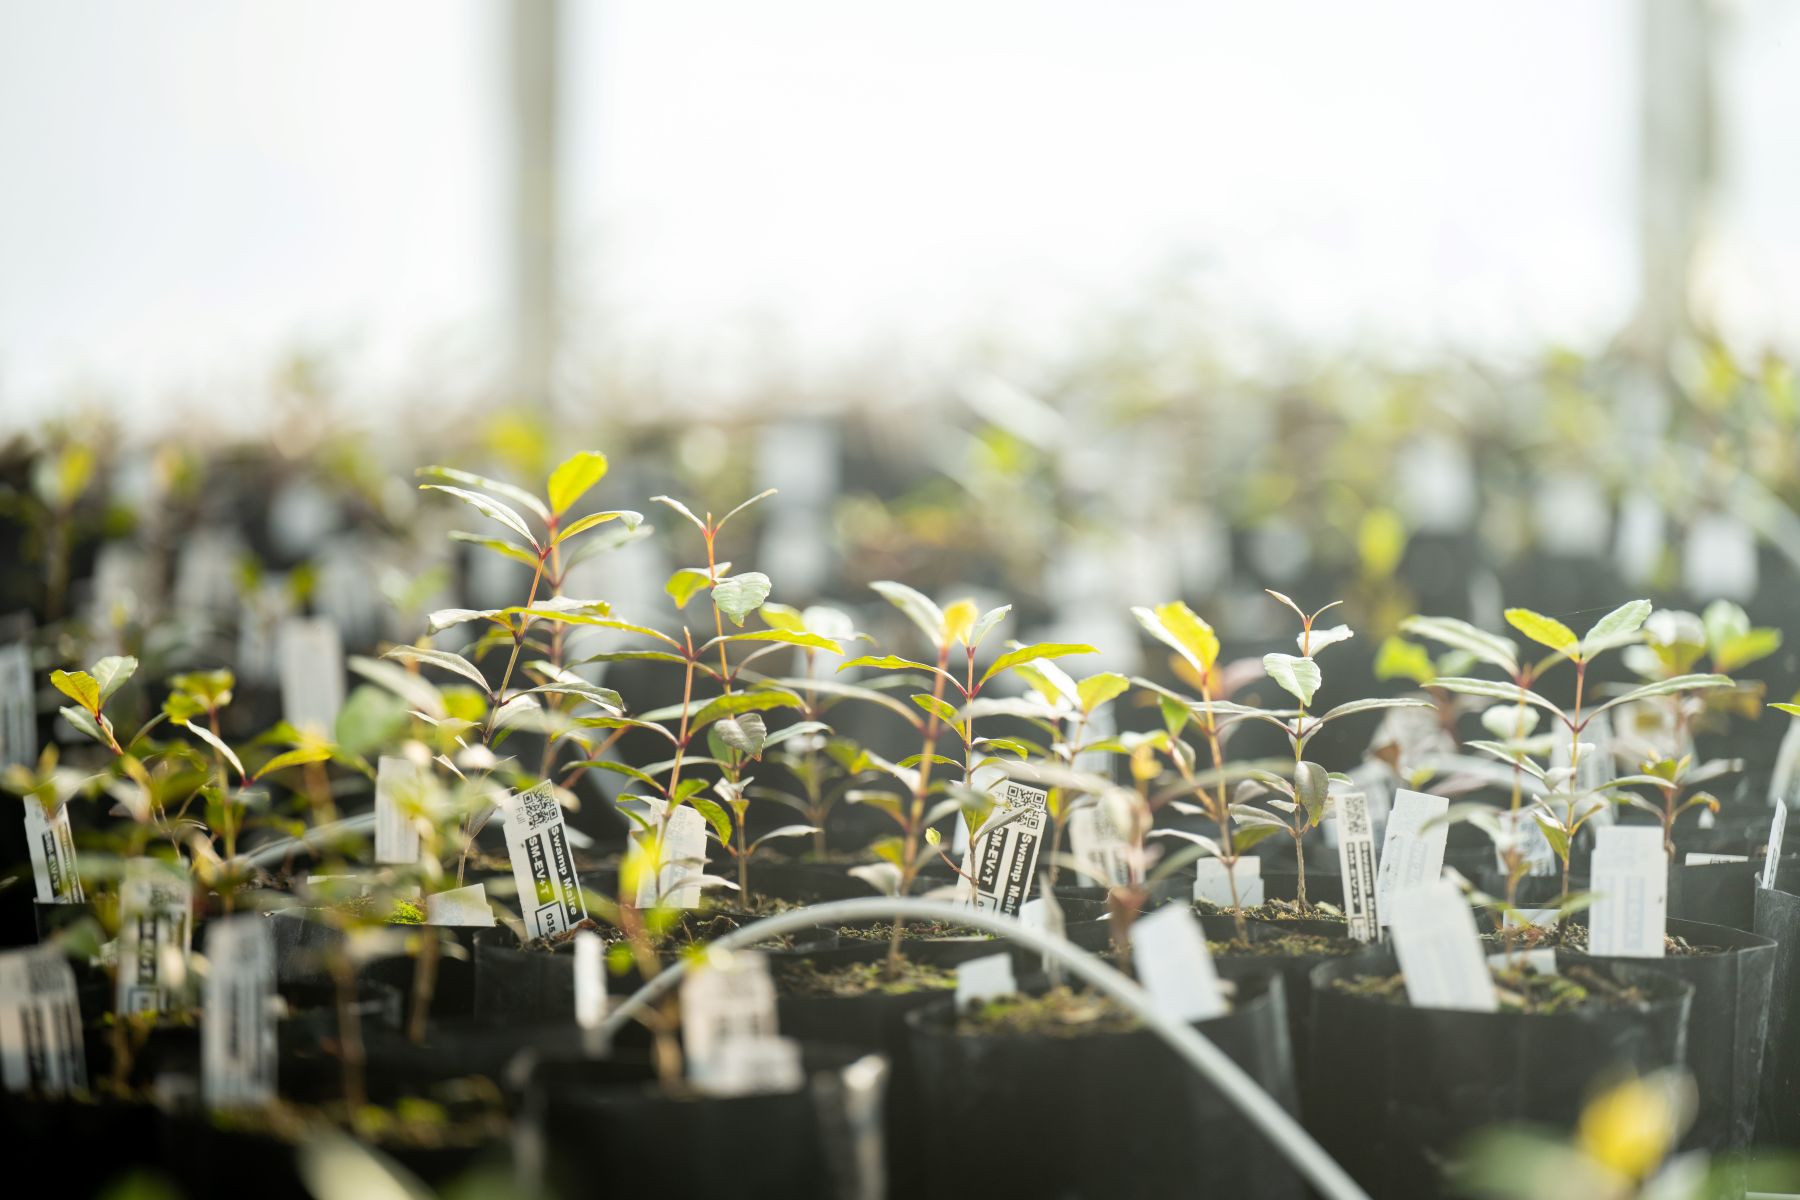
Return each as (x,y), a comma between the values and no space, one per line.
(1777,832)
(590,979)
(1045,915)
(237,1029)
(1521,830)
(1439,950)
(398,790)
(18,707)
(52,847)
(1357,865)
(1100,847)
(1630,881)
(675,883)
(40,1024)
(1787,767)
(1375,780)
(1537,918)
(728,998)
(464,907)
(1174,965)
(749,1066)
(312,673)
(155,932)
(1003,856)
(1212,882)
(1412,857)
(1719,557)
(1696,858)
(543,867)
(983,979)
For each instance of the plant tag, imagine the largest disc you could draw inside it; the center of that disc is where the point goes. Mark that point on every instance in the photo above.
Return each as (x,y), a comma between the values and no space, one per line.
(1356,865)
(237,1028)
(1520,829)
(1439,949)
(1787,767)
(1412,857)
(1541,961)
(1718,557)
(311,659)
(1638,545)
(41,1047)
(155,933)
(1045,915)
(590,979)
(1537,918)
(398,797)
(1212,882)
(1375,780)
(549,891)
(206,572)
(1004,852)
(1696,858)
(676,882)
(1772,858)
(466,907)
(982,979)
(729,997)
(1174,965)
(52,847)
(18,707)
(1100,847)
(749,1066)
(1630,880)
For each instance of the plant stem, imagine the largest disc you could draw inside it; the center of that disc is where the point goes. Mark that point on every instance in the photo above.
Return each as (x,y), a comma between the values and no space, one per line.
(916,818)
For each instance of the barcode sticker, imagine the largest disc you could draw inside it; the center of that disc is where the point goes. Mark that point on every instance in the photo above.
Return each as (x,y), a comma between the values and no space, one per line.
(18,707)
(399,795)
(312,673)
(155,929)
(1629,877)
(237,1042)
(729,997)
(550,896)
(40,1024)
(1100,846)
(1001,860)
(52,846)
(1412,857)
(1174,965)
(1439,949)
(1357,865)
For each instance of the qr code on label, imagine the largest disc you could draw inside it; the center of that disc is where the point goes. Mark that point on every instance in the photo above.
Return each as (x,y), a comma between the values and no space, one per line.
(539,807)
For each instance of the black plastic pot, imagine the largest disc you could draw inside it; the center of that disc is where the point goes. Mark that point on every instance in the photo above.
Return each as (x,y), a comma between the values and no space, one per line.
(1777,916)
(1102,1116)
(1730,1025)
(1399,1087)
(601,1127)
(81,1145)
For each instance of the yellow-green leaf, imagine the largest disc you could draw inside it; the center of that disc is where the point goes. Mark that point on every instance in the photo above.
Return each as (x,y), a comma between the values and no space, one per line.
(570,481)
(78,686)
(1096,690)
(1545,631)
(1025,654)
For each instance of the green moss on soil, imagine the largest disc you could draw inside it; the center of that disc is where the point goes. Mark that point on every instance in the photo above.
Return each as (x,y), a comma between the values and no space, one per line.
(1288,945)
(881,931)
(1060,1012)
(1272,910)
(864,979)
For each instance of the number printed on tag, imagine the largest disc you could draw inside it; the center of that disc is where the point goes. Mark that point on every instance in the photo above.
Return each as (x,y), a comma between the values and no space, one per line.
(41,1047)
(1357,865)
(52,846)
(537,841)
(1002,858)
(237,1027)
(155,929)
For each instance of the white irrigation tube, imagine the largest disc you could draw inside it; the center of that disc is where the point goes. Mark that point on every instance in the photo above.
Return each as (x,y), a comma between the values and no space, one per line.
(1280,1128)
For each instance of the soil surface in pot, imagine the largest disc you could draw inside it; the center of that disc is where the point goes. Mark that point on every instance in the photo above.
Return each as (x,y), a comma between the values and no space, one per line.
(1272,910)
(1519,989)
(466,1114)
(1571,935)
(1278,943)
(1059,1012)
(881,931)
(863,979)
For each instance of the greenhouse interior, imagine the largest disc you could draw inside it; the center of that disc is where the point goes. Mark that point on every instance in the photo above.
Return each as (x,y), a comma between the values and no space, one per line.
(1033,598)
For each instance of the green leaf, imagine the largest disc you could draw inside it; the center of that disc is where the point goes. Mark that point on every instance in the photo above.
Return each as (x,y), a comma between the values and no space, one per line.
(517,495)
(1370,704)
(811,641)
(1554,833)
(886,662)
(746,733)
(741,595)
(684,583)
(985,625)
(1400,659)
(112,672)
(1299,677)
(1182,630)
(942,709)
(500,546)
(715,816)
(1460,635)
(1493,689)
(571,480)
(1026,654)
(681,508)
(84,721)
(592,693)
(783,616)
(920,609)
(1244,837)
(444,659)
(1312,785)
(741,702)
(1545,631)
(631,519)
(635,656)
(294,758)
(490,508)
(959,621)
(1096,690)
(1745,648)
(1792,710)
(1615,628)
(619,768)
(1667,687)
(78,686)
(212,739)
